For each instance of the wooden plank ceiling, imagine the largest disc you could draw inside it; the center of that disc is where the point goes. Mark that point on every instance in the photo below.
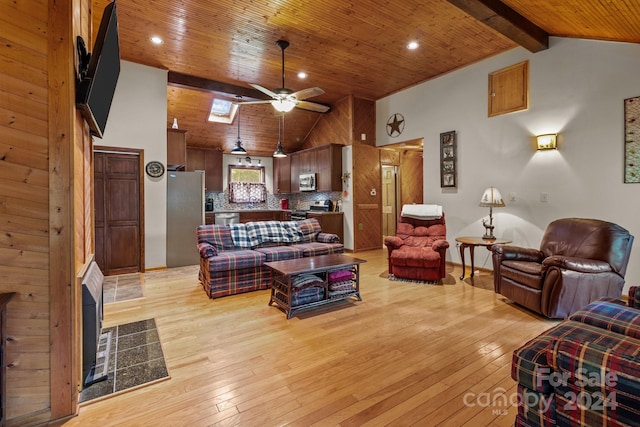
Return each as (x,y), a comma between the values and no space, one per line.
(346,48)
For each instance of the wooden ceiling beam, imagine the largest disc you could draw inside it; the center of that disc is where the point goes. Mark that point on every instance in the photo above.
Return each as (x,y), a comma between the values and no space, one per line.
(205,85)
(506,21)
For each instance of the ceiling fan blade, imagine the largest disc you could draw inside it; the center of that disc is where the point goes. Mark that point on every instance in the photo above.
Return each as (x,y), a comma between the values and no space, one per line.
(265,90)
(266,101)
(307,93)
(312,106)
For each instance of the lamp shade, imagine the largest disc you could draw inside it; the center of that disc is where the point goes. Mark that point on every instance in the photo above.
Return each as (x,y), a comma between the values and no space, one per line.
(492,198)
(546,142)
(283,105)
(238,149)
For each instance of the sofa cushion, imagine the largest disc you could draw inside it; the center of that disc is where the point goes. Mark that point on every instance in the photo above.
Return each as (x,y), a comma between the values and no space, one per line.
(599,381)
(280,253)
(409,256)
(316,249)
(218,236)
(612,316)
(232,260)
(240,236)
(309,229)
(535,409)
(532,364)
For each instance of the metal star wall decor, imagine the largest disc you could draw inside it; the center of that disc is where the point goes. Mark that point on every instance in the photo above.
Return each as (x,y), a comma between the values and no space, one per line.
(395,125)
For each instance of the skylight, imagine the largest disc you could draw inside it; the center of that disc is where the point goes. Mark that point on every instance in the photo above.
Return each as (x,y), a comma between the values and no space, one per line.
(222,111)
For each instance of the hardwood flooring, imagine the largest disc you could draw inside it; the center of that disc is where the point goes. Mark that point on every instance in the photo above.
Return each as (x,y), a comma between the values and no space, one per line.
(408,354)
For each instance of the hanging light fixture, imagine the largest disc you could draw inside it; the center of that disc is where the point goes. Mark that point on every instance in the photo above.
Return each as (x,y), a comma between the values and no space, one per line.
(279,148)
(238,149)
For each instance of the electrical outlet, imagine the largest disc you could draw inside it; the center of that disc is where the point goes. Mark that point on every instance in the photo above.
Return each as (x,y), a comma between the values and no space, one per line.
(544,197)
(512,197)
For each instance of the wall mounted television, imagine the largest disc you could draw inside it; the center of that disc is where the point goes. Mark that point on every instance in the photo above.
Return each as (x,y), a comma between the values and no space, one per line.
(98,72)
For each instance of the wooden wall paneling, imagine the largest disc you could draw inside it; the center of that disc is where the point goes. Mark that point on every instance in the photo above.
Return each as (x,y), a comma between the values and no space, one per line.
(411,177)
(335,127)
(24,207)
(368,208)
(63,170)
(364,121)
(389,156)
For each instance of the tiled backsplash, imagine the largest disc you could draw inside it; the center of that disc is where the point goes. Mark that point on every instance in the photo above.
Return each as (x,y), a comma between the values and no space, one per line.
(297,201)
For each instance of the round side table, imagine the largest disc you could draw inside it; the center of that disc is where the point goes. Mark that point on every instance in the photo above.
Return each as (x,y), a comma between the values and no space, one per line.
(471,242)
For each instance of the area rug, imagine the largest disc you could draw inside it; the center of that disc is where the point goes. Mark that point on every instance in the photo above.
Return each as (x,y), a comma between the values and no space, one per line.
(447,280)
(136,360)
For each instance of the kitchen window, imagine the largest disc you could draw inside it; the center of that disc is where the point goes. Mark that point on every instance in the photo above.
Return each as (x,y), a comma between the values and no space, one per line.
(246,184)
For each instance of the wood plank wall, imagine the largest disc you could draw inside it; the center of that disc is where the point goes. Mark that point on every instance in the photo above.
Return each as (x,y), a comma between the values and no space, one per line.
(24,250)
(44,204)
(334,127)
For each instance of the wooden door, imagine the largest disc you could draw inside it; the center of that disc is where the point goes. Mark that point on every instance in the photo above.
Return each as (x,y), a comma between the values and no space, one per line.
(118,206)
(389,208)
(367,197)
(410,178)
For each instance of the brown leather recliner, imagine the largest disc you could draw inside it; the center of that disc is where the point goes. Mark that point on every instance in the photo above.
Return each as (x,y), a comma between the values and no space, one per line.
(579,261)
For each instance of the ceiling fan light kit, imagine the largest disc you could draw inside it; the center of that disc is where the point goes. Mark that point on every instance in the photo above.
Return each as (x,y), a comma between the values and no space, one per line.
(284,99)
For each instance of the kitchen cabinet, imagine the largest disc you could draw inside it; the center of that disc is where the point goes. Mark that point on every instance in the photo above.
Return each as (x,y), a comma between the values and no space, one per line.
(275,215)
(209,218)
(325,161)
(329,168)
(282,175)
(330,222)
(210,161)
(176,147)
(308,161)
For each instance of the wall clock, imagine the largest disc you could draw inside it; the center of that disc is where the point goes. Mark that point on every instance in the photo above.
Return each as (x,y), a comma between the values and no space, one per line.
(155,169)
(395,125)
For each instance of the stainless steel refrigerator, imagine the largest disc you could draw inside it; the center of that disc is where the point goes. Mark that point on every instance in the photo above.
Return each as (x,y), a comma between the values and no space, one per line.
(185,211)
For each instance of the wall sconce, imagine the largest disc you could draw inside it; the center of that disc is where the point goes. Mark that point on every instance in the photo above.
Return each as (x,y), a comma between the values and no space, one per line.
(547,141)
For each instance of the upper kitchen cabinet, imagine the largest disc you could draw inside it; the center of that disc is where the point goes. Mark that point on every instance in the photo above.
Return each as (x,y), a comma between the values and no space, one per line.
(325,161)
(328,160)
(210,161)
(176,148)
(282,174)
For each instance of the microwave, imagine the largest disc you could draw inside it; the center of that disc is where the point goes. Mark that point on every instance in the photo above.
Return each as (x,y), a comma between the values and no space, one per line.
(307,182)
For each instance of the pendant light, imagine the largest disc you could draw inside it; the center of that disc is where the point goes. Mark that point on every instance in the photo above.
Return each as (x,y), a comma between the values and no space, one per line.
(238,149)
(279,148)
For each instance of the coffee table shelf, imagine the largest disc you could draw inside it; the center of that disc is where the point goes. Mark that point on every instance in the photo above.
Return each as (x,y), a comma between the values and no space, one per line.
(284,273)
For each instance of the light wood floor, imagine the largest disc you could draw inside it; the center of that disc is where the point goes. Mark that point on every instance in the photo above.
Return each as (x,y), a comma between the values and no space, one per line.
(408,354)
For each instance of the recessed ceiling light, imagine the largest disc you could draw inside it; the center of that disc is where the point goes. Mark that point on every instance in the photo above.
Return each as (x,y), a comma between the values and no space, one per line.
(156,40)
(412,45)
(302,75)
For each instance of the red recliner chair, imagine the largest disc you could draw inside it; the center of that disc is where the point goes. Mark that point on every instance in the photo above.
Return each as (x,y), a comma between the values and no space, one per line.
(417,251)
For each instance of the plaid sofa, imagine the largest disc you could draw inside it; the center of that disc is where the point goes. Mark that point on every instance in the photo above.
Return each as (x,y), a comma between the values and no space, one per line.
(232,256)
(585,371)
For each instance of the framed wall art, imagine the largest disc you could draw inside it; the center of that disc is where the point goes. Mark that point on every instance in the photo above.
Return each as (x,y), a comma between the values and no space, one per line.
(632,140)
(448,159)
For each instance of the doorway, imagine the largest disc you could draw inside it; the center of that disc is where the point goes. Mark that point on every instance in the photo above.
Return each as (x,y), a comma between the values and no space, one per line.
(389,200)
(119,210)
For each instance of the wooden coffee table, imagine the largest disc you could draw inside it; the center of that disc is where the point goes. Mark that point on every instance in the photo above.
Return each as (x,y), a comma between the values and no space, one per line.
(283,272)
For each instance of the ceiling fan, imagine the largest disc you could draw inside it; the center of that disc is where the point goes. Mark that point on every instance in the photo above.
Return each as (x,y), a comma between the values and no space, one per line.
(285,99)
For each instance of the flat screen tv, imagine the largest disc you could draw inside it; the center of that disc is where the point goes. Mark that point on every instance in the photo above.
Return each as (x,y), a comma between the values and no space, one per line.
(98,73)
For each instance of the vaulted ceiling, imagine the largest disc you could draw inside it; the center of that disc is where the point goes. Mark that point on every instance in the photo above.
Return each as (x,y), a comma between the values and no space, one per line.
(346,48)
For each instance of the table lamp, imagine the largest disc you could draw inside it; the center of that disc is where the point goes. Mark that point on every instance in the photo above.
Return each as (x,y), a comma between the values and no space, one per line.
(491,198)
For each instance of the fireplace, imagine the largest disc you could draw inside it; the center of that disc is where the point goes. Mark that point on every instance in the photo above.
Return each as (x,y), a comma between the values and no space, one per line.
(92,314)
